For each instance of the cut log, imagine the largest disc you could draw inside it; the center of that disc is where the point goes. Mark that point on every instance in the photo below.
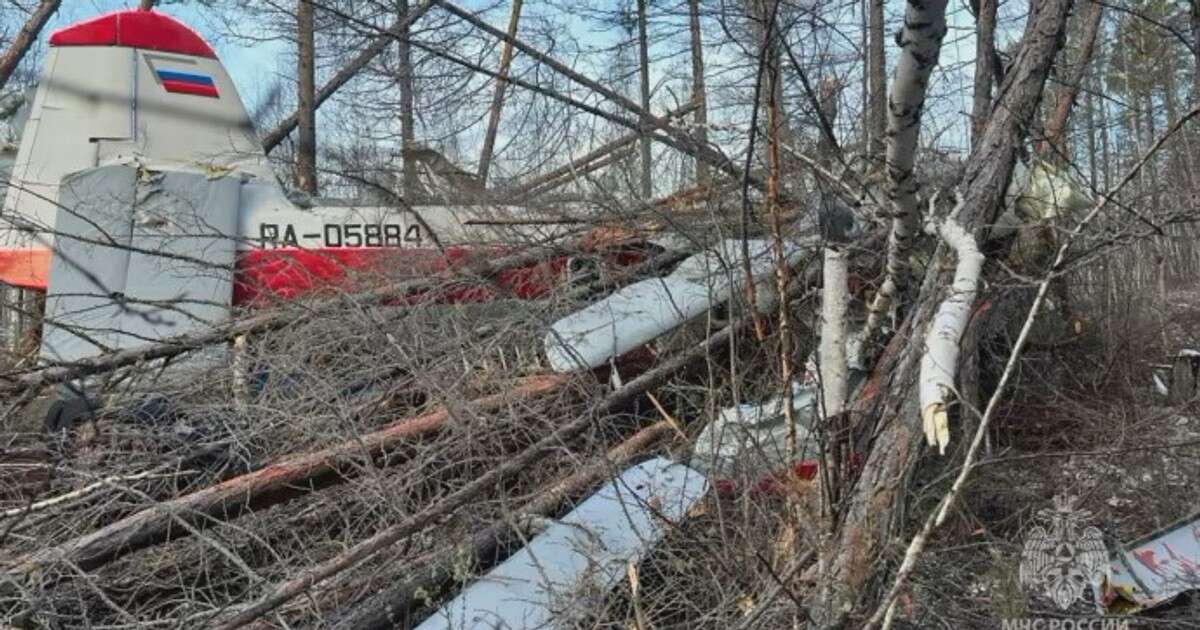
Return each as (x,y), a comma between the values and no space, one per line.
(274,483)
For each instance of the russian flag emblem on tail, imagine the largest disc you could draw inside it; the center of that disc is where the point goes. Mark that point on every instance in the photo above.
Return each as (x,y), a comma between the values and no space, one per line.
(187,83)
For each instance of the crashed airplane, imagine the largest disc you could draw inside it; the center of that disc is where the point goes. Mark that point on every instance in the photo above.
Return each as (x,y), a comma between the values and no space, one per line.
(142,203)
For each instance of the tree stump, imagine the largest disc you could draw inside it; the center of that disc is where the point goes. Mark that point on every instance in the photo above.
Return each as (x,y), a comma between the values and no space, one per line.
(1184,368)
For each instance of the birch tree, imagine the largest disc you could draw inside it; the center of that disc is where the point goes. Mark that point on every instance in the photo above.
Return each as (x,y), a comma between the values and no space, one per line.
(920,43)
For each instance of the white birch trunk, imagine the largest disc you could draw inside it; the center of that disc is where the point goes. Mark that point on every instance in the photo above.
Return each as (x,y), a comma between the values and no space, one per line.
(939,364)
(833,332)
(920,42)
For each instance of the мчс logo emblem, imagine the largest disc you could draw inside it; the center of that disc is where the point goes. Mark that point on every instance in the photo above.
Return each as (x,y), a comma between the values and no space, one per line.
(1062,561)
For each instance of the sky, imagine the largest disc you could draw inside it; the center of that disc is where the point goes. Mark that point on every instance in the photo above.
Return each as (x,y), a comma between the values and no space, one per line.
(254,68)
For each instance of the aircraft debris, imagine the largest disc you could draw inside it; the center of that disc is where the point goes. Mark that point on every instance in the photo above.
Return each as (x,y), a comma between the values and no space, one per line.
(752,438)
(1153,570)
(643,311)
(127,247)
(584,552)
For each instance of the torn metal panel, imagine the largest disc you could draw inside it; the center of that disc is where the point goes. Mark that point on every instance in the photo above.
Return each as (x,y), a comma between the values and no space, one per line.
(1154,569)
(139,257)
(752,438)
(585,553)
(1041,191)
(643,311)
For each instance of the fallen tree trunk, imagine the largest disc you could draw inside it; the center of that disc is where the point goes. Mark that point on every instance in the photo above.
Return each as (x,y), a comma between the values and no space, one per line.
(278,481)
(867,517)
(394,606)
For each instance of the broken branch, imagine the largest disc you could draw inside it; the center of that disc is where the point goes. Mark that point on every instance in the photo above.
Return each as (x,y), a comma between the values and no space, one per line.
(229,499)
(939,364)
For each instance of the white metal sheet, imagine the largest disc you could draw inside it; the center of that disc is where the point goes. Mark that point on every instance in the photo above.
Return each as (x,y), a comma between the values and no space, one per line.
(586,552)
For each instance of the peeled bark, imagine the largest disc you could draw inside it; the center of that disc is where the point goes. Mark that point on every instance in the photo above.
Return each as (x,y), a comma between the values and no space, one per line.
(25,38)
(939,364)
(489,138)
(920,43)
(306,145)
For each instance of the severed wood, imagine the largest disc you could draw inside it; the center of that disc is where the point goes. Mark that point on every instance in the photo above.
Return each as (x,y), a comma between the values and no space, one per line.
(277,481)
